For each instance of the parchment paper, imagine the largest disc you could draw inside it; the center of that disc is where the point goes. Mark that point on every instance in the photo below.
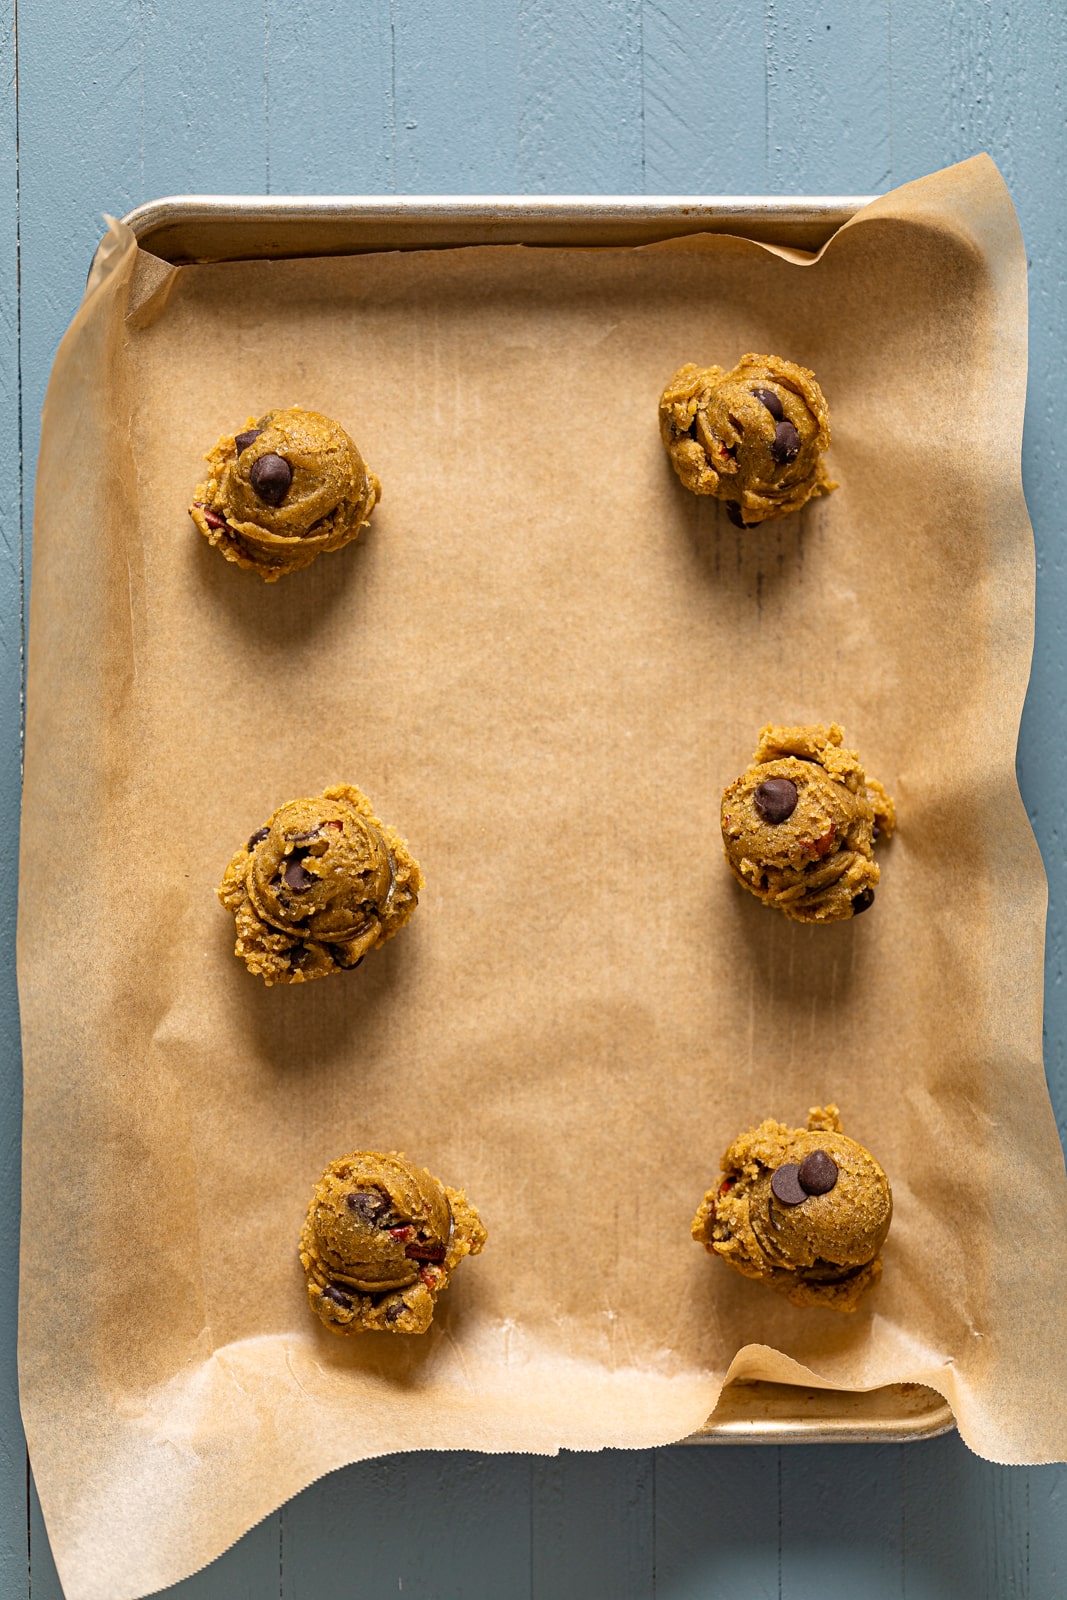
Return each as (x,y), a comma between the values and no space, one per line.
(543,662)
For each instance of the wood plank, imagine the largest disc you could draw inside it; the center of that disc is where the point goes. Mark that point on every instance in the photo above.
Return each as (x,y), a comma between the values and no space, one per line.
(455,125)
(840,1524)
(705,99)
(44,1581)
(330,123)
(964,1525)
(13,1549)
(1046,1522)
(717,1529)
(592,1523)
(828,115)
(580,98)
(80,117)
(422,1525)
(203,104)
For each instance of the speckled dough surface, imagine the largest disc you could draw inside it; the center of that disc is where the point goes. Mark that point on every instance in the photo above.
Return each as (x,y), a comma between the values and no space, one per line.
(799,826)
(319,885)
(805,1211)
(289,487)
(381,1241)
(753,437)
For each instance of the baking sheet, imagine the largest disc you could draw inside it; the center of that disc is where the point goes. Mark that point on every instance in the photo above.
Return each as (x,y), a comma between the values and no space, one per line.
(543,662)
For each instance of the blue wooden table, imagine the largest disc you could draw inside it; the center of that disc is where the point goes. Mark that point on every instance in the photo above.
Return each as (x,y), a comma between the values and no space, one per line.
(106,103)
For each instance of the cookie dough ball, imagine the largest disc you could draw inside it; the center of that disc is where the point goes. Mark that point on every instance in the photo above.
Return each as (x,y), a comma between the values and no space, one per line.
(753,437)
(380,1242)
(805,1211)
(290,486)
(799,825)
(316,888)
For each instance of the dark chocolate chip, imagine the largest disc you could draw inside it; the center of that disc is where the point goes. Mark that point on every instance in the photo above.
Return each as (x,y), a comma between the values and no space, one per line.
(243,440)
(775,799)
(785,446)
(367,1203)
(733,511)
(297,876)
(270,477)
(425,1252)
(394,1312)
(339,1299)
(862,902)
(768,398)
(786,1187)
(258,837)
(306,838)
(297,956)
(817,1173)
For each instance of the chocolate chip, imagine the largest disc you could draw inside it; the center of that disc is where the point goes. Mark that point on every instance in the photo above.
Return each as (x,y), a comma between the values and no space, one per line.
(775,799)
(817,1173)
(367,1203)
(768,398)
(297,956)
(243,440)
(425,1252)
(862,902)
(297,876)
(306,838)
(394,1312)
(733,511)
(785,446)
(258,837)
(270,477)
(785,1186)
(339,1299)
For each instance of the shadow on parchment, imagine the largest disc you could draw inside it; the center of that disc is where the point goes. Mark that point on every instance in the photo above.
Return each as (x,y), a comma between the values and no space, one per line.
(740,1311)
(801,969)
(290,612)
(750,564)
(295,1027)
(403,1360)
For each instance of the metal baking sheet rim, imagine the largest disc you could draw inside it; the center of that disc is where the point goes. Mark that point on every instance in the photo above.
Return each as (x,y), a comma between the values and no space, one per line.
(188,229)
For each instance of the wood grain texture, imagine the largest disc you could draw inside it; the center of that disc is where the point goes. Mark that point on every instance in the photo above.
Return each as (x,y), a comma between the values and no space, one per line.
(117,101)
(718,1523)
(13,1476)
(417,1525)
(833,1542)
(328,96)
(613,1537)
(828,93)
(580,110)
(705,103)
